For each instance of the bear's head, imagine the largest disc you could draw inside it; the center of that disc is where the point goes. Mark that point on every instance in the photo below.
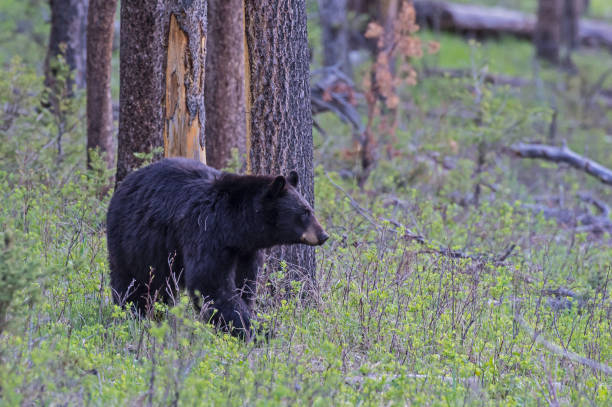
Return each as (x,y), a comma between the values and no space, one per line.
(291,218)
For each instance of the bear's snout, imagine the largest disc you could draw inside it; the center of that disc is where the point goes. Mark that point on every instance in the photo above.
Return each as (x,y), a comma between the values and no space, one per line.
(323,236)
(314,235)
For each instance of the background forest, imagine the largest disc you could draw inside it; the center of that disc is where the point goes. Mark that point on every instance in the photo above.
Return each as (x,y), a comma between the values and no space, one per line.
(461,166)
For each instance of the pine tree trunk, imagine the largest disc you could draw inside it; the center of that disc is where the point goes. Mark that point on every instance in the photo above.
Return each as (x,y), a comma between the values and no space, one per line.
(68,29)
(225,114)
(163,52)
(335,34)
(572,10)
(100,30)
(548,30)
(279,119)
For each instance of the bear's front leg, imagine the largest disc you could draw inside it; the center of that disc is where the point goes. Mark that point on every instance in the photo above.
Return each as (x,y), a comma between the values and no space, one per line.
(247,269)
(232,315)
(214,280)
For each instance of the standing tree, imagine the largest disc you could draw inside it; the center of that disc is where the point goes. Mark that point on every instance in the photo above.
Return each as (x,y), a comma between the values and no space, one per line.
(548,30)
(225,115)
(279,119)
(571,17)
(335,34)
(100,29)
(163,54)
(67,38)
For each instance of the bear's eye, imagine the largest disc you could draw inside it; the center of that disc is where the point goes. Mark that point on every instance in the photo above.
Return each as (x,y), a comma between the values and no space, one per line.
(305,215)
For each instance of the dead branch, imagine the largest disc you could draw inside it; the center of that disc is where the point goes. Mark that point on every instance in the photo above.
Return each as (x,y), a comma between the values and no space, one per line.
(430,247)
(366,214)
(581,220)
(333,92)
(561,215)
(507,253)
(603,208)
(563,155)
(558,350)
(561,292)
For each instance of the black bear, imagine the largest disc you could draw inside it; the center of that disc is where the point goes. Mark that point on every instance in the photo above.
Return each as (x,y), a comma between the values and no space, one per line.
(180,223)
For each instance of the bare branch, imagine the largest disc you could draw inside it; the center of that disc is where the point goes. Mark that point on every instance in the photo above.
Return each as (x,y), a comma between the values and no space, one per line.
(333,91)
(558,350)
(563,155)
(598,203)
(561,292)
(431,247)
(507,253)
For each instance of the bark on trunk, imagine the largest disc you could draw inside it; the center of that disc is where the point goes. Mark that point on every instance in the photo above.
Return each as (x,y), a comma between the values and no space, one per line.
(68,29)
(100,30)
(163,52)
(548,29)
(335,34)
(225,113)
(279,126)
(571,18)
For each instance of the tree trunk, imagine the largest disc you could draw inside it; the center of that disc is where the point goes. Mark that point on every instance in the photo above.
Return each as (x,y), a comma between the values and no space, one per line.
(335,34)
(163,52)
(548,30)
(279,119)
(100,30)
(68,29)
(571,18)
(225,114)
(572,11)
(387,14)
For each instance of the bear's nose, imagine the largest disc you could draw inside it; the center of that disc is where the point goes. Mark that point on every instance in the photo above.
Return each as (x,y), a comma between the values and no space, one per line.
(323,237)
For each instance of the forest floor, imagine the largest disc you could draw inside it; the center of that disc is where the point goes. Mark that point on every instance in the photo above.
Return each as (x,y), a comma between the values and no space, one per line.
(457,274)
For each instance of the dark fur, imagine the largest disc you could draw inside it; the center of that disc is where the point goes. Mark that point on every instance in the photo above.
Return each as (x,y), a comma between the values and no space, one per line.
(209,225)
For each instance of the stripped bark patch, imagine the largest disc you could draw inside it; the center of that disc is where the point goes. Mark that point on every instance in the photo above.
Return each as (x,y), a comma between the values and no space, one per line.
(248,95)
(182,126)
(162,59)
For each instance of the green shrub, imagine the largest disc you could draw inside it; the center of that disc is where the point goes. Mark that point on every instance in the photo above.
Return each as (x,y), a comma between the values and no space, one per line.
(20,270)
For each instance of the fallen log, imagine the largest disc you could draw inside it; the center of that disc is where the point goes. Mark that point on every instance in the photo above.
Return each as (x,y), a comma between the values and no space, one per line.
(472,18)
(563,155)
(595,33)
(494,21)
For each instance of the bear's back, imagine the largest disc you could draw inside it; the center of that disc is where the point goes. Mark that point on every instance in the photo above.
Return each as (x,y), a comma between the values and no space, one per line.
(179,169)
(157,192)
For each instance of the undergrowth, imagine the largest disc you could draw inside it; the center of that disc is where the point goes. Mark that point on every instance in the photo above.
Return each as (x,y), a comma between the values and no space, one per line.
(494,304)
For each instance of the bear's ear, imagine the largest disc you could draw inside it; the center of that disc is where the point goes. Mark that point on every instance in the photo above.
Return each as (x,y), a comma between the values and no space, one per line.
(277,186)
(293,178)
